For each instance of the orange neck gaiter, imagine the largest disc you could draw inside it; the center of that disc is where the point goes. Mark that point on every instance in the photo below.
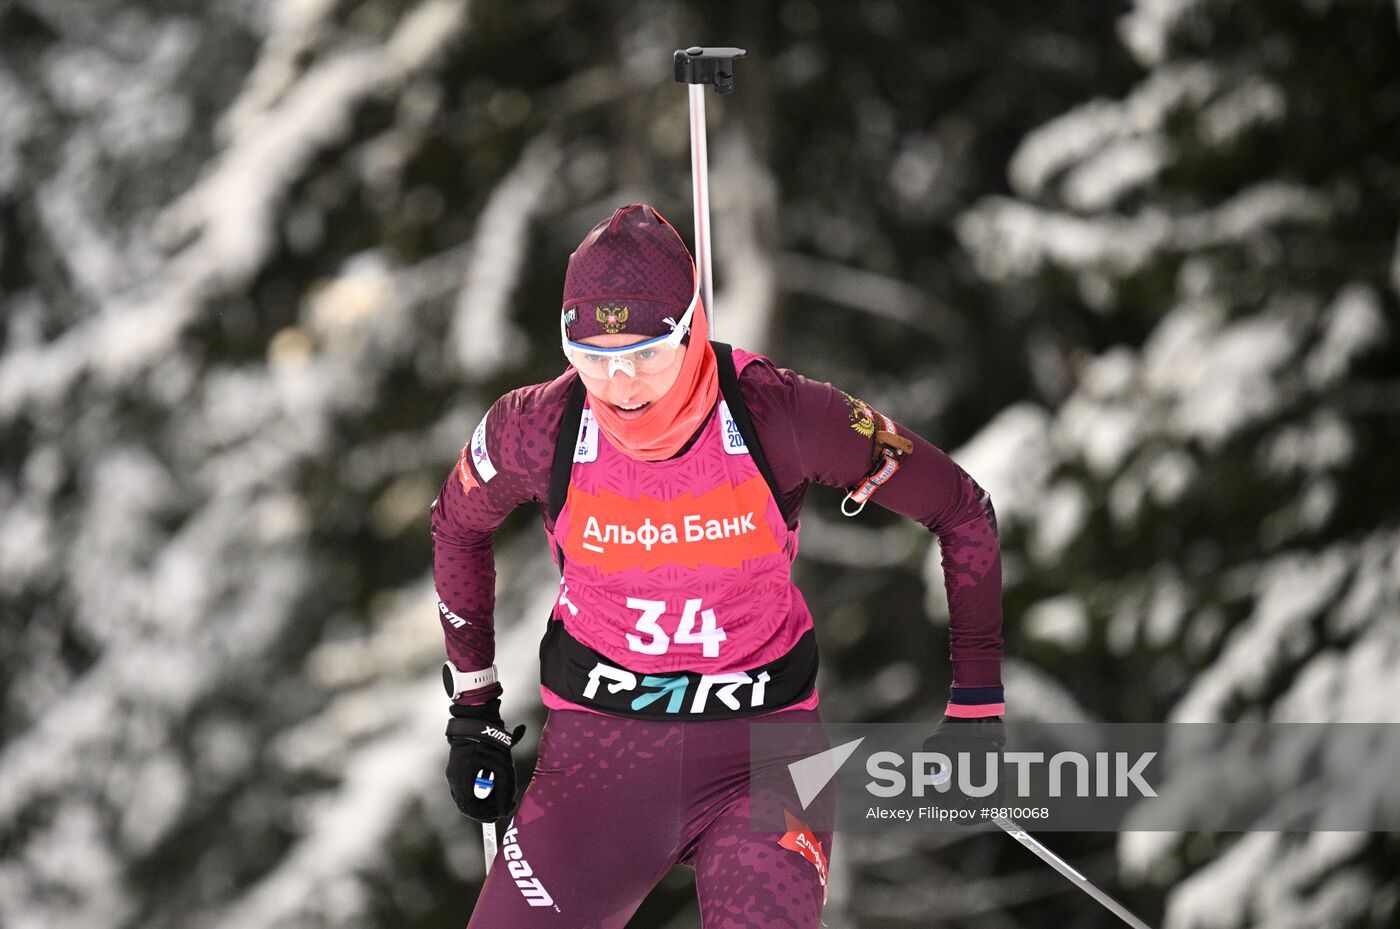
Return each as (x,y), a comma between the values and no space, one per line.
(669,423)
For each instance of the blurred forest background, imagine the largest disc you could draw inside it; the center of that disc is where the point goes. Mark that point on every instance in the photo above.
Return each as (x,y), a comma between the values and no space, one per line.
(264,263)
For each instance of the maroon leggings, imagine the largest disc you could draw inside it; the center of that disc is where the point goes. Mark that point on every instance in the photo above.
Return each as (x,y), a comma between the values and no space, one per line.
(616,803)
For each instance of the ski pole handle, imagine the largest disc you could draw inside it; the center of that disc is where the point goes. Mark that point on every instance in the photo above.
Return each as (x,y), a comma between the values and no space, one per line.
(696,65)
(701,67)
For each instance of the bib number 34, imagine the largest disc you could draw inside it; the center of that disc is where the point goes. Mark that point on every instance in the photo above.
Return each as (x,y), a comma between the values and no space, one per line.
(657,642)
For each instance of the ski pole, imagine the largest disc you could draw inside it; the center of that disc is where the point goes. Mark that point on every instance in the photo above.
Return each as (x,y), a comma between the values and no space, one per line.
(698,67)
(488,843)
(1059,864)
(485,783)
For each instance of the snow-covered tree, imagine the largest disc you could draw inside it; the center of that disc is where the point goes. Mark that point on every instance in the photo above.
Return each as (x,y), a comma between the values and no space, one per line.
(1205,527)
(264,264)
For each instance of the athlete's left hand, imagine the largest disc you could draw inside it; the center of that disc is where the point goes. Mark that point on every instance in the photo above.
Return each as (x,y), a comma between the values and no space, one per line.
(978,738)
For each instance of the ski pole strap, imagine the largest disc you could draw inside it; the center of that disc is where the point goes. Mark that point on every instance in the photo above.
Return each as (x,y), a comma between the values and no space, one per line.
(892,447)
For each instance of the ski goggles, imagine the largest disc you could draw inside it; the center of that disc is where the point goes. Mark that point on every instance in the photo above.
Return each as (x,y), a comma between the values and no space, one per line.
(641,358)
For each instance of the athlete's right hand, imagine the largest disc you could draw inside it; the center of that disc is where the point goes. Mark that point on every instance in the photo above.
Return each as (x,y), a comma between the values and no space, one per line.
(480,772)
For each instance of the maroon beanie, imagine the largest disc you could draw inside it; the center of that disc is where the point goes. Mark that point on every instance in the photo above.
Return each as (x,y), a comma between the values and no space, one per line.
(628,275)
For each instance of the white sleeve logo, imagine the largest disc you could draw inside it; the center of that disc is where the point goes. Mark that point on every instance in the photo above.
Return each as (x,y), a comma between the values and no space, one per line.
(481,458)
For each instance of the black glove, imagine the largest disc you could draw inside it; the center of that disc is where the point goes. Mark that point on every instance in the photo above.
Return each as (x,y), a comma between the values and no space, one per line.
(977,737)
(479,761)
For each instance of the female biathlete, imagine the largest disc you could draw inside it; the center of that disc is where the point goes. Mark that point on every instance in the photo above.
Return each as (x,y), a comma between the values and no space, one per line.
(670,471)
